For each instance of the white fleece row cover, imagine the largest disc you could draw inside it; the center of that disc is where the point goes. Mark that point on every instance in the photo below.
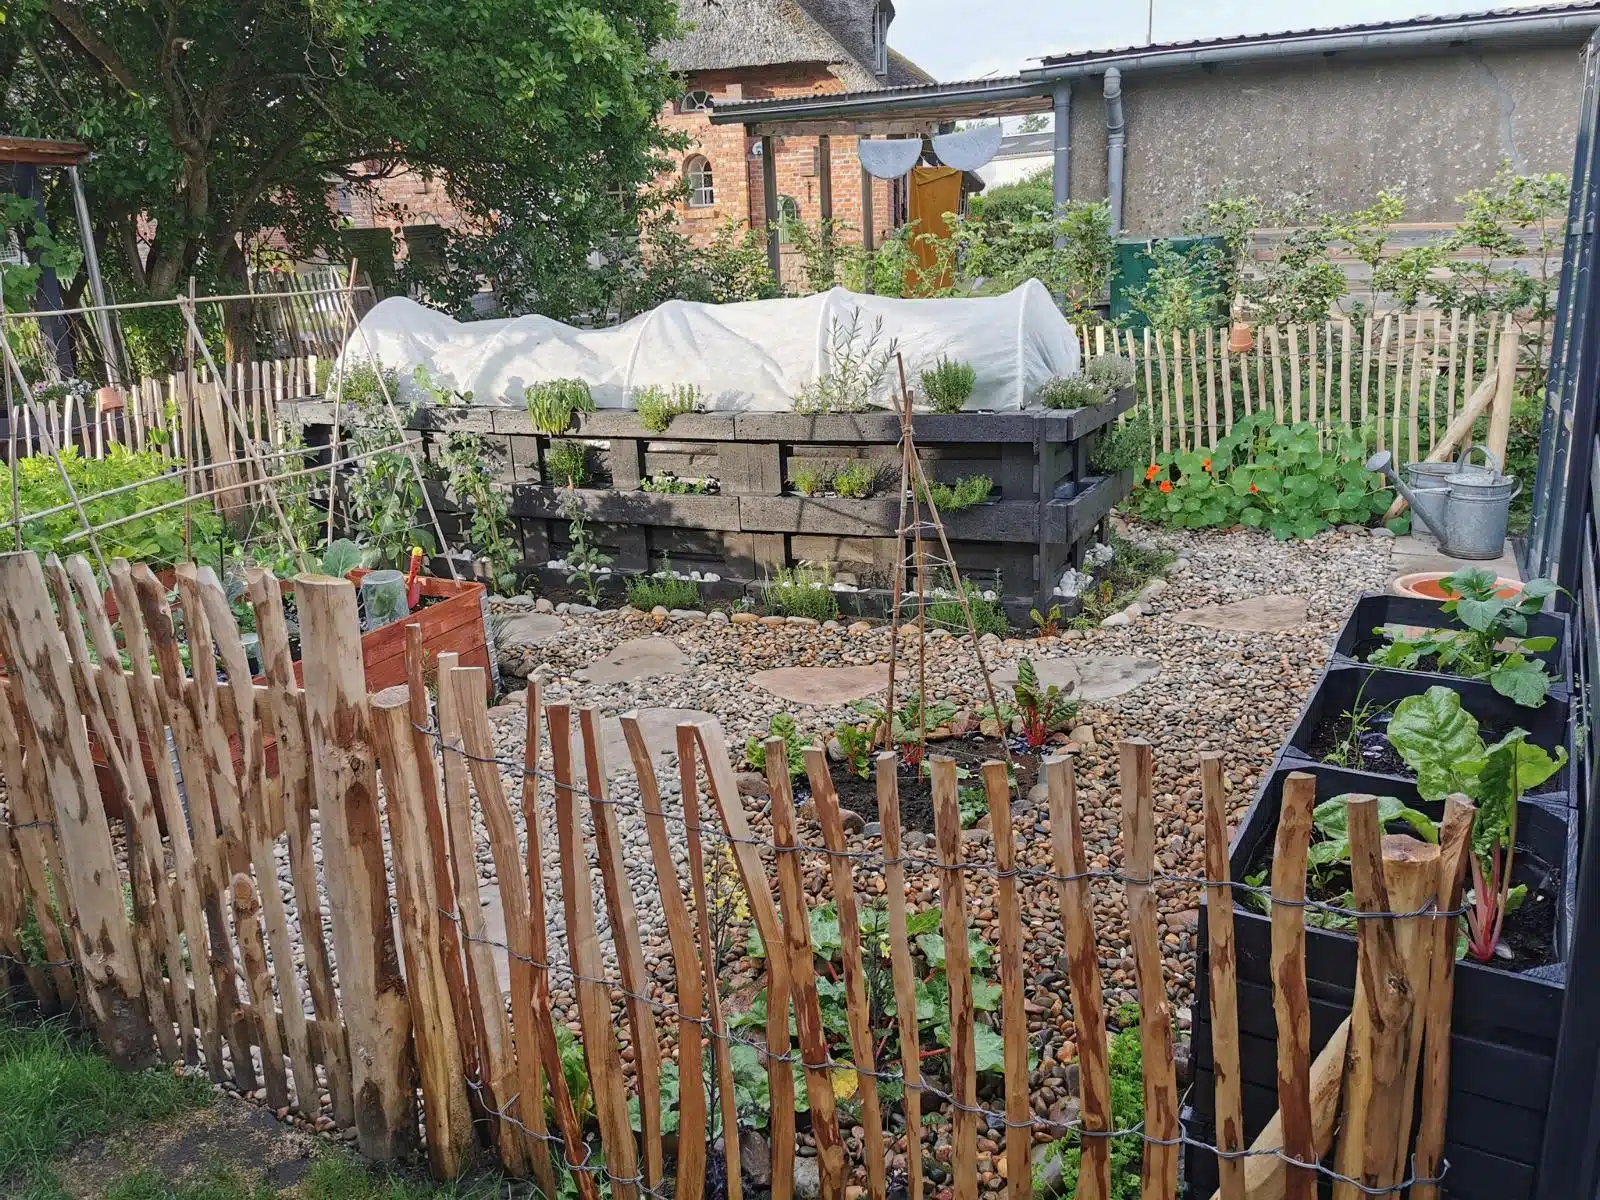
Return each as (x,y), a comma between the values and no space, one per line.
(751,356)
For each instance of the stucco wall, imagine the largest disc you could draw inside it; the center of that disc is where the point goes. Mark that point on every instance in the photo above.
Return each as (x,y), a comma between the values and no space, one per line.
(1341,130)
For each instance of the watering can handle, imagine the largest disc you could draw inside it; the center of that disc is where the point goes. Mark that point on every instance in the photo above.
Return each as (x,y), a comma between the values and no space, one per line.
(1494,463)
(1517,491)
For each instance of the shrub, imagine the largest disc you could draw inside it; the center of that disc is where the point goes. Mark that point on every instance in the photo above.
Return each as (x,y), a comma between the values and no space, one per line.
(987,615)
(553,404)
(568,464)
(856,481)
(1125,446)
(803,591)
(973,489)
(809,480)
(658,405)
(1113,372)
(949,383)
(663,588)
(855,369)
(1072,391)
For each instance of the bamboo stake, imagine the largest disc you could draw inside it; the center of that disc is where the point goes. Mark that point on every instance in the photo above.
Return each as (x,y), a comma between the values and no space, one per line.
(886,763)
(623,915)
(858,1013)
(958,977)
(1083,976)
(594,1001)
(1455,843)
(1289,1004)
(1459,429)
(1244,382)
(1014,1017)
(689,789)
(466,686)
(691,1172)
(1294,372)
(797,945)
(1159,1175)
(1224,981)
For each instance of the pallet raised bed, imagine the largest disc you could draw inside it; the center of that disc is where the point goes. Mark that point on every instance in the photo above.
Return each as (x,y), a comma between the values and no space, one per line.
(1044,509)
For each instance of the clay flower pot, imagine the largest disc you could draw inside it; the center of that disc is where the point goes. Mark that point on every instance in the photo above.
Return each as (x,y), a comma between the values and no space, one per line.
(1240,339)
(109,399)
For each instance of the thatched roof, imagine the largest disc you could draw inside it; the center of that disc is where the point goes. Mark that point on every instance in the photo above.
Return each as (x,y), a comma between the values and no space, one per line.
(728,34)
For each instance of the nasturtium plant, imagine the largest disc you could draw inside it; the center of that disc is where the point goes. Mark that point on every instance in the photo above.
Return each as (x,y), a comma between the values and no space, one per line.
(1294,481)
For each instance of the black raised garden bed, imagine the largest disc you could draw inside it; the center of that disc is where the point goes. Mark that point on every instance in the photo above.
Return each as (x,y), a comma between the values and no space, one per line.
(1357,639)
(1324,723)
(1504,1022)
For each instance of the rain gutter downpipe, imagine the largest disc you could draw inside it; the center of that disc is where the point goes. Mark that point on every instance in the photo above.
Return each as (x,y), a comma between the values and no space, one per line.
(1116,141)
(1061,167)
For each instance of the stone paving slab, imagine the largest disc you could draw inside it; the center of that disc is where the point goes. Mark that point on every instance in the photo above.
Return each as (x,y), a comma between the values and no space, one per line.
(660,729)
(642,658)
(1258,614)
(1093,676)
(823,686)
(531,629)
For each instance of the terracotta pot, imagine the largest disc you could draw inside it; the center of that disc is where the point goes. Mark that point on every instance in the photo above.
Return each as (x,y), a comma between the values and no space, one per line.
(109,399)
(1240,339)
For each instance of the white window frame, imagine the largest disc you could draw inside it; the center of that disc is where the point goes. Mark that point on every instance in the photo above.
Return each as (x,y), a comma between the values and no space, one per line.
(701,195)
(696,100)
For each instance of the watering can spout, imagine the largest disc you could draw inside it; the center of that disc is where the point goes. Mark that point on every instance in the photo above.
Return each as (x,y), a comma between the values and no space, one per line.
(1383,462)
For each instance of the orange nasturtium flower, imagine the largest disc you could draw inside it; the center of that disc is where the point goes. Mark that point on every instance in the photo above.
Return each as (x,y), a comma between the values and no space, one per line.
(1166,485)
(1151,472)
(1205,464)
(1254,488)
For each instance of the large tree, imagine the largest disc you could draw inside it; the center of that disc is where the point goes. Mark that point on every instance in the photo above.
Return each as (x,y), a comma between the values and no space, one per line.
(218,122)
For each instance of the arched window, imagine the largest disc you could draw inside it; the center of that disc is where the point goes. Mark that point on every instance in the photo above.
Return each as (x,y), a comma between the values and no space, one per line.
(698,100)
(702,193)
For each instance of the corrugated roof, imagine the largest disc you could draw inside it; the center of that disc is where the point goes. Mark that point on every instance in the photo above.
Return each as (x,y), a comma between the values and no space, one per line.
(1421,22)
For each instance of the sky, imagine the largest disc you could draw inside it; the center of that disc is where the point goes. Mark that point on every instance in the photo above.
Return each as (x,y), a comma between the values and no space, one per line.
(963,39)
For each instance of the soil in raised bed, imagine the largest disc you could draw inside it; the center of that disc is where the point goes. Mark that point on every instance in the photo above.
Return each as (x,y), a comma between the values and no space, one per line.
(1529,932)
(1379,756)
(860,796)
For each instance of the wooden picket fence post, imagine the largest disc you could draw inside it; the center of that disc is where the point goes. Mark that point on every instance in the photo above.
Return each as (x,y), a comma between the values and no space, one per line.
(256,760)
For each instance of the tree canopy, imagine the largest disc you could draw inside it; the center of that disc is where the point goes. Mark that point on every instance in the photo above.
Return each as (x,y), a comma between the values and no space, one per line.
(216,123)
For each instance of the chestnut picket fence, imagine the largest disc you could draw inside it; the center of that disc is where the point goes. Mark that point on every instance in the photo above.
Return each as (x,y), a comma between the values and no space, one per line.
(239,810)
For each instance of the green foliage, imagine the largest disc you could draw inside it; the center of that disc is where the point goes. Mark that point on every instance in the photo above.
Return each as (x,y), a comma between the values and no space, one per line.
(653,261)
(1293,481)
(584,558)
(553,404)
(1481,651)
(568,464)
(855,743)
(20,220)
(1061,1158)
(1124,445)
(810,480)
(856,480)
(780,725)
(1118,581)
(467,458)
(1072,391)
(1234,217)
(663,588)
(906,723)
(1007,248)
(974,804)
(964,493)
(945,611)
(1047,623)
(156,539)
(1044,710)
(345,1177)
(658,405)
(948,383)
(854,372)
(818,248)
(56,1089)
(1183,289)
(803,591)
(1359,720)
(1439,740)
(665,483)
(1113,372)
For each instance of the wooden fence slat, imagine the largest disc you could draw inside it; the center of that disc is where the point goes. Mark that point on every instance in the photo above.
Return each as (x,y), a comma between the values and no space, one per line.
(1277,374)
(1229,1104)
(285,704)
(375,1011)
(1194,386)
(1294,372)
(1290,1006)
(1178,401)
(34,656)
(1345,334)
(1227,387)
(1366,368)
(1083,978)
(691,1166)
(588,968)
(258,982)
(1311,371)
(1455,843)
(624,918)
(466,686)
(1159,1175)
(958,978)
(858,1014)
(13,899)
(446,1116)
(886,765)
(1166,398)
(724,790)
(802,965)
(491,1026)
(1469,357)
(1013,1016)
(689,789)
(1385,437)
(1433,385)
(1211,387)
(1450,393)
(1327,374)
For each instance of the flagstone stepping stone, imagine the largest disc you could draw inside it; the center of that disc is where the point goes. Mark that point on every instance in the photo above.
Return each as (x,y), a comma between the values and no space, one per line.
(1093,676)
(1258,614)
(660,729)
(823,686)
(530,629)
(642,658)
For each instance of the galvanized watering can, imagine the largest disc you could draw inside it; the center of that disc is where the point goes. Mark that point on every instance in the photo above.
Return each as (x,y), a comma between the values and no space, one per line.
(1464,506)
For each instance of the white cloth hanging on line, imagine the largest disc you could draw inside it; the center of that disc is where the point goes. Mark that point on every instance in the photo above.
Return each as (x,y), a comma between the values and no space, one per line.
(888,158)
(968,149)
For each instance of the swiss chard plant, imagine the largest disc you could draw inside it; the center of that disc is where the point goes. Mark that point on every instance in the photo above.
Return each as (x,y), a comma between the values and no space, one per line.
(1493,647)
(1440,741)
(781,725)
(855,747)
(1044,710)
(906,725)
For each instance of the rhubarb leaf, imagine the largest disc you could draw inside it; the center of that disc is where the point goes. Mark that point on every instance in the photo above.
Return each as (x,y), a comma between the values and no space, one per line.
(1439,741)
